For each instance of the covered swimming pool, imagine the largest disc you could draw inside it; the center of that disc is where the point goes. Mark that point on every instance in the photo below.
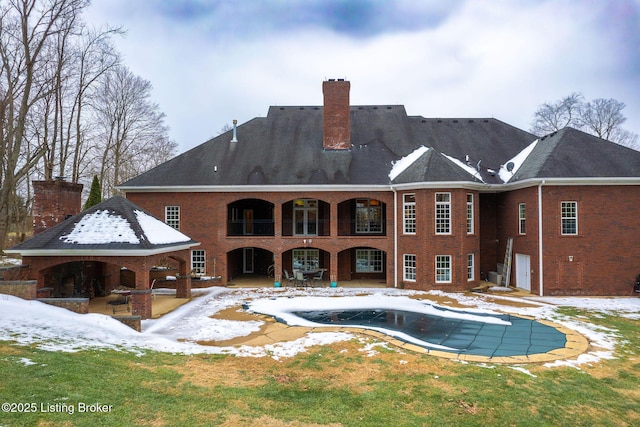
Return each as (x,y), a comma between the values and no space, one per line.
(458,332)
(516,337)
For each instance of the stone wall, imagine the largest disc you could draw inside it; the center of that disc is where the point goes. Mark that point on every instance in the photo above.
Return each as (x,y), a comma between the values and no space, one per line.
(77,305)
(134,322)
(25,289)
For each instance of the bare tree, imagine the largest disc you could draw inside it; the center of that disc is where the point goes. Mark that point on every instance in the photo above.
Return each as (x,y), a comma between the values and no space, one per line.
(27,29)
(600,117)
(555,116)
(133,136)
(95,56)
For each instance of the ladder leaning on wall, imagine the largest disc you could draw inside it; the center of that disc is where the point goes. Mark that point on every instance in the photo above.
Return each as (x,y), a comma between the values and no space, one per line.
(506,269)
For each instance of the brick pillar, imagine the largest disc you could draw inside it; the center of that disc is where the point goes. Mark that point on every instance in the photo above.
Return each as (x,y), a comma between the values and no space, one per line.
(336,115)
(333,267)
(53,202)
(183,286)
(141,303)
(141,295)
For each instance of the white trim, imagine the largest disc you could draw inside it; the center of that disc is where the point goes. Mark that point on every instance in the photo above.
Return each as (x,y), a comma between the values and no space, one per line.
(254,188)
(450,268)
(404,267)
(100,252)
(522,220)
(467,185)
(563,218)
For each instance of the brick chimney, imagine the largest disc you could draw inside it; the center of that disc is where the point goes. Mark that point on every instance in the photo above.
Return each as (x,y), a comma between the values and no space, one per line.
(53,202)
(337,120)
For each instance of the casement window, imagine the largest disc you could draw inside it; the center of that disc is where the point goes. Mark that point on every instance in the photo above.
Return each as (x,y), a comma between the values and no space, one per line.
(369,261)
(522,218)
(305,214)
(172,216)
(368,216)
(409,213)
(469,213)
(198,261)
(569,218)
(443,213)
(409,267)
(470,267)
(443,268)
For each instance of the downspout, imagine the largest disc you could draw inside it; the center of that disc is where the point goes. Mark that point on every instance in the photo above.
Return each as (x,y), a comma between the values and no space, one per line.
(395,237)
(540,265)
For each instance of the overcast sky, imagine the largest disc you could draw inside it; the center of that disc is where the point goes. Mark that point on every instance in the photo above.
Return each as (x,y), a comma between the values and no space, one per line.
(214,61)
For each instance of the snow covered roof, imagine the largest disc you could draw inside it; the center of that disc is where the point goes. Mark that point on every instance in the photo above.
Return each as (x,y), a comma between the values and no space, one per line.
(113,227)
(427,165)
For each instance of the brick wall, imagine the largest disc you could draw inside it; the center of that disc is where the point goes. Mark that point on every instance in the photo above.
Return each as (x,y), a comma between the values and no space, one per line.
(605,254)
(204,219)
(426,244)
(507,221)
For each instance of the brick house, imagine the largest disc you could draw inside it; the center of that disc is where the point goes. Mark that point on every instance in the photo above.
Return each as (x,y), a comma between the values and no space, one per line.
(369,192)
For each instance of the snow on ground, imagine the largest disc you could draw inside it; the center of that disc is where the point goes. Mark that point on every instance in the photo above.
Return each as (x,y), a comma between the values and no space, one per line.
(56,329)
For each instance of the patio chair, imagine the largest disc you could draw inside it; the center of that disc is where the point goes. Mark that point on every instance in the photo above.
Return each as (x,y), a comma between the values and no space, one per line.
(154,291)
(317,279)
(301,278)
(290,277)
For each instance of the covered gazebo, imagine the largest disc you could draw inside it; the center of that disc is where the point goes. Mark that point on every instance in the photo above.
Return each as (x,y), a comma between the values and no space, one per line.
(85,255)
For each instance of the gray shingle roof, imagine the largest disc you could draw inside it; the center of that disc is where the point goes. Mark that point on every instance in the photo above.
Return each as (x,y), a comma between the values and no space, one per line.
(118,229)
(570,153)
(286,148)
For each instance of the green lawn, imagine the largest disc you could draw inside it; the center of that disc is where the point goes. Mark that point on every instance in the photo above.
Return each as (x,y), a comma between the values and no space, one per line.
(330,385)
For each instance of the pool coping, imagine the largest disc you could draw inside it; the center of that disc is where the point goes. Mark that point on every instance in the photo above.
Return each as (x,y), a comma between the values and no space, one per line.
(575,344)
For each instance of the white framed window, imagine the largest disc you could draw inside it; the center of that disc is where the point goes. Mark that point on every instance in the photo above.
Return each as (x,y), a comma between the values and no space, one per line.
(522,218)
(305,217)
(369,261)
(443,213)
(569,218)
(470,213)
(443,268)
(172,216)
(409,213)
(470,267)
(368,216)
(306,259)
(198,262)
(409,267)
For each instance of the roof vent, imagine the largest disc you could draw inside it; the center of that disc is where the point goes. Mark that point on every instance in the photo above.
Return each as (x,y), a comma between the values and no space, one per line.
(235,131)
(510,166)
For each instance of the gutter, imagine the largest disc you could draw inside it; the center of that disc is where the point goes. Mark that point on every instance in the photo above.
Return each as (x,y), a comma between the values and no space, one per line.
(395,237)
(540,252)
(284,188)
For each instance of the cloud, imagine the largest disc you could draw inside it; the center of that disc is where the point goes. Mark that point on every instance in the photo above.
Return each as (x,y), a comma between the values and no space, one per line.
(212,62)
